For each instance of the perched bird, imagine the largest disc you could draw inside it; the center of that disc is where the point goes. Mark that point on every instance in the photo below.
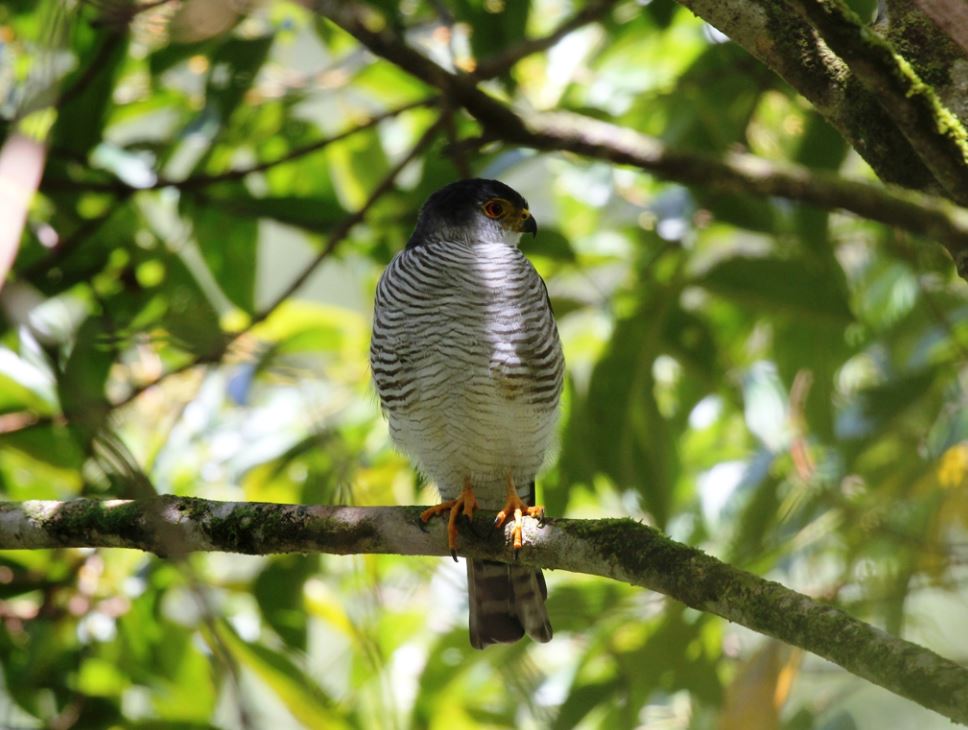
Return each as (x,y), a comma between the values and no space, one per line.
(468,366)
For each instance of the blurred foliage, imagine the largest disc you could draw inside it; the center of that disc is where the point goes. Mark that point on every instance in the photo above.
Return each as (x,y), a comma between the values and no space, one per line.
(782,386)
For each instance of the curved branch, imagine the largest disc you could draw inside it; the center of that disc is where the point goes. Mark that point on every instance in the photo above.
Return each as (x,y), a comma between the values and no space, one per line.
(619,549)
(502,62)
(736,172)
(117,185)
(921,214)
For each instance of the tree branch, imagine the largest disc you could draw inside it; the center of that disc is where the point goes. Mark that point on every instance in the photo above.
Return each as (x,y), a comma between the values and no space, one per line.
(950,16)
(496,65)
(342,229)
(199,180)
(736,172)
(790,47)
(619,549)
(912,30)
(933,131)
(921,214)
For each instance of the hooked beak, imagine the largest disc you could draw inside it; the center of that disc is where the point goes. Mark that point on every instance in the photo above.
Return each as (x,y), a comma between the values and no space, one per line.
(529,224)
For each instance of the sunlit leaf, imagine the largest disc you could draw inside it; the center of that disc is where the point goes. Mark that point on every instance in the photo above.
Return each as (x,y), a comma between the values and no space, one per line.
(228,246)
(299,693)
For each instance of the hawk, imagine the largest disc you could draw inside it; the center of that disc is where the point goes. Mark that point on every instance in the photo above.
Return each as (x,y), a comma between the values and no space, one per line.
(467,362)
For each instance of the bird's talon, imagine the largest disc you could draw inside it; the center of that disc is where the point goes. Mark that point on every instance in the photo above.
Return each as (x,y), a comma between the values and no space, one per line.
(518,530)
(465,504)
(514,505)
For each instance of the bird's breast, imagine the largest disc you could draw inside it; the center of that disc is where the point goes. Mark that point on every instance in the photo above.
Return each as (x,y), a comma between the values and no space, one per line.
(476,352)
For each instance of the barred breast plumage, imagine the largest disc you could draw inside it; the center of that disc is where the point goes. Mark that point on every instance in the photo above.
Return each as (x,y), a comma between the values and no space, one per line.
(468,367)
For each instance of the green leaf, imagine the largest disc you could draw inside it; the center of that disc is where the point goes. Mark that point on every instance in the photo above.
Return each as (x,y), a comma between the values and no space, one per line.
(233,70)
(229,245)
(172,54)
(756,524)
(448,661)
(46,460)
(86,94)
(627,437)
(693,669)
(100,677)
(573,607)
(689,338)
(301,695)
(818,350)
(23,386)
(779,286)
(313,214)
(744,211)
(582,699)
(279,590)
(883,403)
(356,165)
(81,385)
(494,25)
(821,146)
(189,317)
(549,243)
(718,114)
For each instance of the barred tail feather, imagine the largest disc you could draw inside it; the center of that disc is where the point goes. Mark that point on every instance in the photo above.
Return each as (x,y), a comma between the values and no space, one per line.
(506,602)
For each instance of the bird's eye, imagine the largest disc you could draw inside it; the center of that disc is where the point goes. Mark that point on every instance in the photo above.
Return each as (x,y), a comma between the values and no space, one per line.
(494,209)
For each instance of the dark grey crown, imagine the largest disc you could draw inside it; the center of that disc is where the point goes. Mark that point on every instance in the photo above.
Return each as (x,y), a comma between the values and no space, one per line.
(458,206)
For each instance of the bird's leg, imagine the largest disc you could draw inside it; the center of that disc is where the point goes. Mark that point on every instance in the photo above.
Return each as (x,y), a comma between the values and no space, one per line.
(465,504)
(515,505)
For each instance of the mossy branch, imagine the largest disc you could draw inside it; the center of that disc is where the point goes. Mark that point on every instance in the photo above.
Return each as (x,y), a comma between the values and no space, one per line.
(791,48)
(951,16)
(933,131)
(619,549)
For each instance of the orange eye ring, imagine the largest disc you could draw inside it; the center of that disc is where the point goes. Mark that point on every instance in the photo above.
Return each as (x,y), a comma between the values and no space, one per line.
(494,209)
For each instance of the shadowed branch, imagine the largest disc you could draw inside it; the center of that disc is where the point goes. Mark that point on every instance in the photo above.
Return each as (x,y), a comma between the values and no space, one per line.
(916,212)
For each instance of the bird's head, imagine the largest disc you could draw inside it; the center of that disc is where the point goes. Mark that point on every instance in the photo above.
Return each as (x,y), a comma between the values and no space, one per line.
(474,212)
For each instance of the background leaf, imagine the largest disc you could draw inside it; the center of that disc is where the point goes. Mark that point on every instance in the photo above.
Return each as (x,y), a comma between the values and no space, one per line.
(778,385)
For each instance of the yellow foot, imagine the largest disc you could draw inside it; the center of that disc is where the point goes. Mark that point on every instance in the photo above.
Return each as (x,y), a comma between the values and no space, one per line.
(465,504)
(518,507)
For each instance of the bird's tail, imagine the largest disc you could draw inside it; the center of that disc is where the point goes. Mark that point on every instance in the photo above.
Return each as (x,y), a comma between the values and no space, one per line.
(506,602)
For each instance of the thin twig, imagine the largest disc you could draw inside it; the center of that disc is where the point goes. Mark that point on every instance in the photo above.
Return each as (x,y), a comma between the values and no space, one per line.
(66,246)
(489,68)
(239,173)
(343,228)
